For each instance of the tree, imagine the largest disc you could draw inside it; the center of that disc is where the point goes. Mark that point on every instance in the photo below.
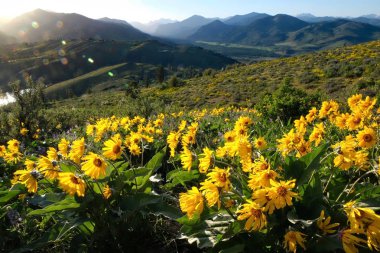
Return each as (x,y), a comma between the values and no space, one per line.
(160,74)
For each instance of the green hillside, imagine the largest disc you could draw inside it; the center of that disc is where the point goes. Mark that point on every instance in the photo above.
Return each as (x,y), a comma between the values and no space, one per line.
(333,73)
(59,61)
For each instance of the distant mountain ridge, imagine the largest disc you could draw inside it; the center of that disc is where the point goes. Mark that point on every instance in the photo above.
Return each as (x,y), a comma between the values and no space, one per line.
(182,29)
(40,25)
(267,30)
(288,31)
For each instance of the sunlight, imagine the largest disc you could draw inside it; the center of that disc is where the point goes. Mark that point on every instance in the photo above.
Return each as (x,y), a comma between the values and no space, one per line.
(130,9)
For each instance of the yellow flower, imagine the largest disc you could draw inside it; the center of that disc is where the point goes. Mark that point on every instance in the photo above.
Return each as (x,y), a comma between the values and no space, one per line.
(172,140)
(361,160)
(206,161)
(261,179)
(63,147)
(107,192)
(230,136)
(323,224)
(220,177)
(355,121)
(188,139)
(373,236)
(72,184)
(28,178)
(77,150)
(23,131)
(186,159)
(13,145)
(191,202)
(280,193)
(367,137)
(3,150)
(94,166)
(52,154)
(317,134)
(354,101)
(341,120)
(112,148)
(328,108)
(346,153)
(312,115)
(254,214)
(260,164)
(13,157)
(260,143)
(292,239)
(300,124)
(360,217)
(350,241)
(49,168)
(303,148)
(134,149)
(211,193)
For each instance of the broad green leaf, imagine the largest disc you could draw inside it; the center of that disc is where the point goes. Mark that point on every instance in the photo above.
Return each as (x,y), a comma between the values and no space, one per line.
(163,208)
(67,204)
(139,200)
(6,196)
(44,200)
(301,169)
(180,177)
(233,249)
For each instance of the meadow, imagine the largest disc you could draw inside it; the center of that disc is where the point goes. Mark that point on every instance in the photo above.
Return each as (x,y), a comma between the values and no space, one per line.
(227,179)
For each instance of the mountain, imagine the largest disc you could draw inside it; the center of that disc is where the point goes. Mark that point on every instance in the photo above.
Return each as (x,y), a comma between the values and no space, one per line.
(244,19)
(114,21)
(264,31)
(216,31)
(310,18)
(340,32)
(368,20)
(182,29)
(56,62)
(42,25)
(371,19)
(152,26)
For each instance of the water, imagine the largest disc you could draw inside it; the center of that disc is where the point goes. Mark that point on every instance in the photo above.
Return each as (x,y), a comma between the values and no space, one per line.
(8,98)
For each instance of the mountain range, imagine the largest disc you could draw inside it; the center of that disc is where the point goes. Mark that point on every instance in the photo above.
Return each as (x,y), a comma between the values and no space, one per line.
(40,25)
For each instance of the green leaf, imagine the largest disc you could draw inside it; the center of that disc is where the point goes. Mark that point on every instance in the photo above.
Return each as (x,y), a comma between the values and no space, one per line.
(139,200)
(6,196)
(180,177)
(233,249)
(44,200)
(68,203)
(301,169)
(163,208)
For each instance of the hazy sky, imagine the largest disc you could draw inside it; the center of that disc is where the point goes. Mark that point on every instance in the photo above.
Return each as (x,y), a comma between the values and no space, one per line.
(147,10)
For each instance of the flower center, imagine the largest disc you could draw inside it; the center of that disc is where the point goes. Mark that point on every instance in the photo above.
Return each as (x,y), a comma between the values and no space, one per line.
(222,177)
(282,191)
(264,166)
(367,138)
(98,162)
(74,180)
(256,213)
(116,149)
(357,120)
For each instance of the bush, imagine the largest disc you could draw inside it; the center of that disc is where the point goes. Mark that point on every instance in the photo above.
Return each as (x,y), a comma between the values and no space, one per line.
(287,102)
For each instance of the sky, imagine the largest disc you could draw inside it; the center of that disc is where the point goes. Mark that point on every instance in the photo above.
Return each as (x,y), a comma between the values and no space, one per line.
(148,10)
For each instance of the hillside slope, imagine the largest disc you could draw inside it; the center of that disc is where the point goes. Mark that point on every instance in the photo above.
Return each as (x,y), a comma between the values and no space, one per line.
(56,62)
(333,73)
